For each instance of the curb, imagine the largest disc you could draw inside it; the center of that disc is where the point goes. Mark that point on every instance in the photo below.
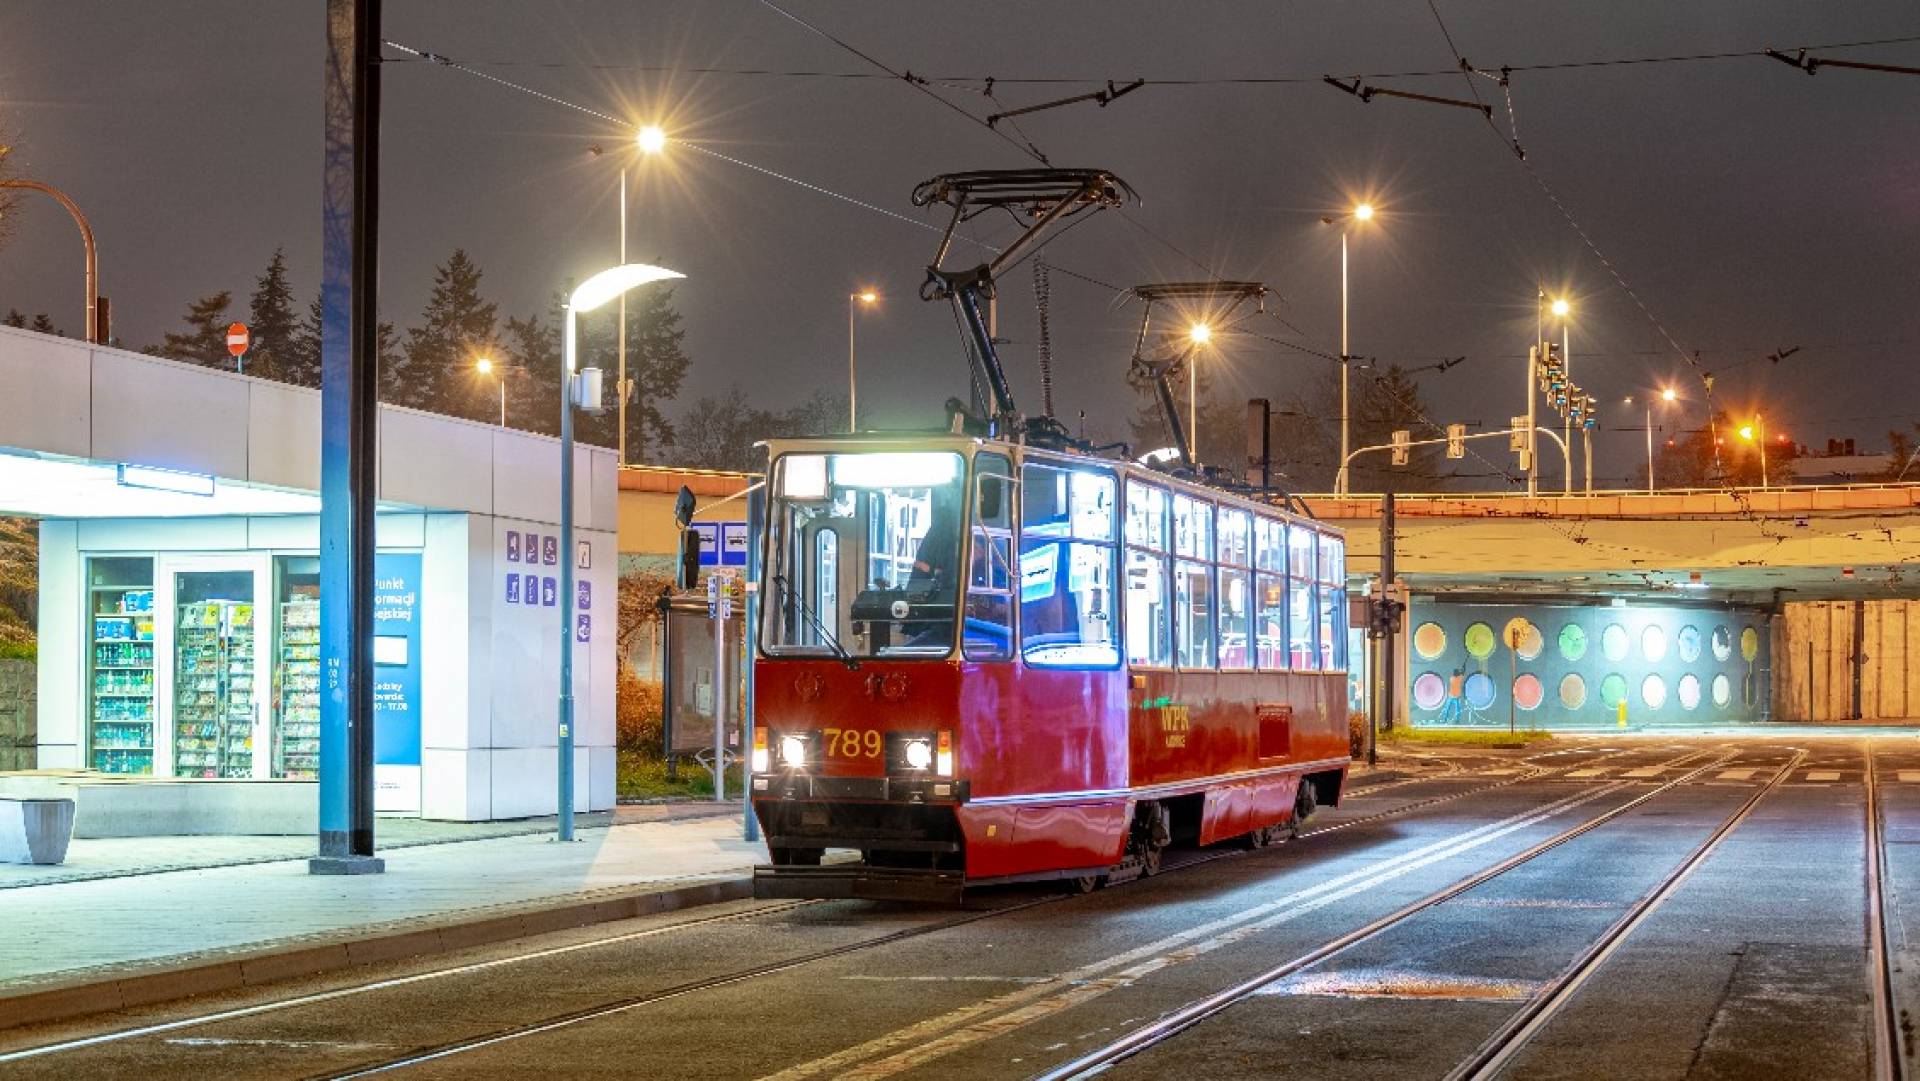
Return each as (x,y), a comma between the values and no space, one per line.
(343,951)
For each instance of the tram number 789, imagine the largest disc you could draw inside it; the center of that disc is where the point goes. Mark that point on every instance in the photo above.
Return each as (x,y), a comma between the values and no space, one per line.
(853,742)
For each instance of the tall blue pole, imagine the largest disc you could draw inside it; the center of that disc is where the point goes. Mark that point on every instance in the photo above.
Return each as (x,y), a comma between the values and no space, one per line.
(566,577)
(349,365)
(749,642)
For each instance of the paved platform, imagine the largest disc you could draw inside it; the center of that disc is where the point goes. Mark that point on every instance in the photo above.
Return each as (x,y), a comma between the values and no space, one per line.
(106,927)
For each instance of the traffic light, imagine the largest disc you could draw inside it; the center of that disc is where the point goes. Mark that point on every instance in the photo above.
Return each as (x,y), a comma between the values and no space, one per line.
(1456,441)
(1401,438)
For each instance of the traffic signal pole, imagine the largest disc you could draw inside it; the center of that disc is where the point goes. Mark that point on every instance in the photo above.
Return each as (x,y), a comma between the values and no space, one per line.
(349,367)
(1389,622)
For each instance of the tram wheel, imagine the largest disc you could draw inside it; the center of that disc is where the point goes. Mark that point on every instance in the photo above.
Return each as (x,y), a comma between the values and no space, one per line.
(1086,883)
(1304,804)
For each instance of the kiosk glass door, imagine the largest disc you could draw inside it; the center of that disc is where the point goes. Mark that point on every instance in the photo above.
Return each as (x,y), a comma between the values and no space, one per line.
(217,681)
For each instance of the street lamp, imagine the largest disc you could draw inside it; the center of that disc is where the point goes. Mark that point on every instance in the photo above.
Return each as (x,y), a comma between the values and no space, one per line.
(649,140)
(867,297)
(1667,396)
(485,366)
(592,293)
(1361,212)
(1561,308)
(1756,432)
(1199,334)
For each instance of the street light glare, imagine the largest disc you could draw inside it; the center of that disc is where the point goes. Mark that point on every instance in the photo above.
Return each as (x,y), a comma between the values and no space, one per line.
(1668,395)
(1746,432)
(1201,333)
(651,139)
(1363,211)
(483,366)
(613,281)
(1561,307)
(868,296)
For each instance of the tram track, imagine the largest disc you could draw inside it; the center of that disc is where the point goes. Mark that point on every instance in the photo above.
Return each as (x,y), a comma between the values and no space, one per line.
(1889,1045)
(1493,1054)
(612,1008)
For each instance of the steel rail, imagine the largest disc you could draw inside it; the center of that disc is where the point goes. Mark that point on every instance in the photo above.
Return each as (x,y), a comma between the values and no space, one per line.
(1498,1050)
(1181,1020)
(1889,1051)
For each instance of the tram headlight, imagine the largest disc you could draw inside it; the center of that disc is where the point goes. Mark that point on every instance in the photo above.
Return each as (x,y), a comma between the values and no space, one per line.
(793,751)
(919,754)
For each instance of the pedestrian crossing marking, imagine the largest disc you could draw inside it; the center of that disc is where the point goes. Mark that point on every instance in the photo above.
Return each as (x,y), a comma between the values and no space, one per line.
(1823,775)
(1645,771)
(1497,772)
(1586,773)
(1910,776)
(1738,774)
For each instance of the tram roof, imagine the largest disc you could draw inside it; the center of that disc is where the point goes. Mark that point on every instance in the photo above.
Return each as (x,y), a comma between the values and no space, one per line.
(856,442)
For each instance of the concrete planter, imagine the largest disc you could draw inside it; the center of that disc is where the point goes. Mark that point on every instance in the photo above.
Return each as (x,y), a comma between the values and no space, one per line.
(35,830)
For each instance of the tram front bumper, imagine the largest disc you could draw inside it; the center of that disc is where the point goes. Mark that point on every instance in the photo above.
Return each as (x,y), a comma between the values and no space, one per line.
(858,881)
(806,786)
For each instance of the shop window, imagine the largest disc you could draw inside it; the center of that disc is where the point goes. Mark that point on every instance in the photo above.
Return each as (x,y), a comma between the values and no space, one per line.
(1270,545)
(1236,538)
(1149,616)
(1193,614)
(989,616)
(1302,653)
(1236,615)
(120,731)
(1270,621)
(1192,528)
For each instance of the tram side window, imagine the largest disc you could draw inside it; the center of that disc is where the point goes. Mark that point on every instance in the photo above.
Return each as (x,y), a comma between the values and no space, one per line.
(1270,621)
(1270,545)
(989,626)
(1236,619)
(1303,650)
(1333,604)
(1193,614)
(1067,564)
(1192,528)
(1149,614)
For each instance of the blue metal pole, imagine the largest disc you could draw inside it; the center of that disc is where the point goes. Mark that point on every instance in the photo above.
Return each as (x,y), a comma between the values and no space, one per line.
(749,643)
(566,578)
(348,430)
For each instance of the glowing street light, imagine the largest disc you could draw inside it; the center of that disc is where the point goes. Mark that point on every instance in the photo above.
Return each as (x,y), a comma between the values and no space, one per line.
(1756,433)
(650,140)
(1199,334)
(866,297)
(485,366)
(1561,307)
(1361,212)
(589,295)
(1667,396)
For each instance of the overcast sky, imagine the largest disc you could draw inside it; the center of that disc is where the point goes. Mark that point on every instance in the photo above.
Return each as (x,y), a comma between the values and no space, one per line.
(1749,207)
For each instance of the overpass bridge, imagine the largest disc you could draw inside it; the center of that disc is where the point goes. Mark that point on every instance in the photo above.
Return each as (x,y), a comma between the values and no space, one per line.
(1700,606)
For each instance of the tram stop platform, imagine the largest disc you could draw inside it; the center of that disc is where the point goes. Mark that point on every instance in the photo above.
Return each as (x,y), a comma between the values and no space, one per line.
(130,921)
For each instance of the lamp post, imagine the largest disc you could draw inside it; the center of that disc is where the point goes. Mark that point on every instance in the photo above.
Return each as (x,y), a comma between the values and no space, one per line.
(93,329)
(1199,334)
(1667,397)
(591,294)
(1360,212)
(650,140)
(864,296)
(1747,432)
(485,366)
(1561,310)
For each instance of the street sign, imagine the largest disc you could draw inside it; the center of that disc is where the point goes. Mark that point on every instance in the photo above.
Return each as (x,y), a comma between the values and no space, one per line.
(709,534)
(733,544)
(237,339)
(1401,438)
(1456,441)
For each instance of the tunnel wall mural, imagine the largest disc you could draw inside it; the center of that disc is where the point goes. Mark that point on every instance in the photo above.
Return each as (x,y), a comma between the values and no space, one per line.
(1471,664)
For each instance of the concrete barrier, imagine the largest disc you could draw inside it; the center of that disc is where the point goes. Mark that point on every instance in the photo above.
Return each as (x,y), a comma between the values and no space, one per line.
(160,807)
(35,830)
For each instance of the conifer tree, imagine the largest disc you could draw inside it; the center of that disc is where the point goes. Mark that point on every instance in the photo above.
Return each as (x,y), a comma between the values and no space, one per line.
(205,339)
(271,324)
(435,366)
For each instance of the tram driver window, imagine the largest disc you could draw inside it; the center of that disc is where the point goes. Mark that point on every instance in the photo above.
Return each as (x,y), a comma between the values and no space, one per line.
(1066,572)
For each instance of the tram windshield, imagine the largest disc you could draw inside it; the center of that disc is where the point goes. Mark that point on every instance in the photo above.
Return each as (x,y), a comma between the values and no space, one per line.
(864,554)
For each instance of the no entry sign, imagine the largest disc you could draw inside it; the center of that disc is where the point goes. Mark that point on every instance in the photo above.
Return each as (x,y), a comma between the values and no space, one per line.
(237,339)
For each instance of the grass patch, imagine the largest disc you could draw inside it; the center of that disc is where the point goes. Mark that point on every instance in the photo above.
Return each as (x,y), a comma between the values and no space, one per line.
(643,776)
(1466,737)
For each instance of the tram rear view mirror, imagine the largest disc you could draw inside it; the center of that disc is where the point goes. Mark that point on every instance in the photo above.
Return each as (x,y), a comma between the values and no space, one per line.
(686,567)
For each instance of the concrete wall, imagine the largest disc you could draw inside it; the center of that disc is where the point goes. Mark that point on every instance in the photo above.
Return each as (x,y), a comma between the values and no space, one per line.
(18,726)
(1815,643)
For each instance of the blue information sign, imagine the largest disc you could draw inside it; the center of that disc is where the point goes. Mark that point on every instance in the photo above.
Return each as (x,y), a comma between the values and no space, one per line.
(396,659)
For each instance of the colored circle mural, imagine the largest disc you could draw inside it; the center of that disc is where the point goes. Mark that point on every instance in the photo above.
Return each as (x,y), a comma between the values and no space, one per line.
(1613,642)
(1653,691)
(1527,691)
(1722,643)
(1688,691)
(1521,636)
(1613,690)
(1722,690)
(1479,690)
(1689,642)
(1429,641)
(1429,691)
(1653,643)
(1573,644)
(1480,641)
(1749,645)
(1573,691)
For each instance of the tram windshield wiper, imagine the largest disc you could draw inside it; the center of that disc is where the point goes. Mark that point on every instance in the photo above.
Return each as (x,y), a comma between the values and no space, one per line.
(794,598)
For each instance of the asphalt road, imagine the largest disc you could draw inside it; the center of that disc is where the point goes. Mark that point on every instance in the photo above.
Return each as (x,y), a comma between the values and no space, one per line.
(1753,963)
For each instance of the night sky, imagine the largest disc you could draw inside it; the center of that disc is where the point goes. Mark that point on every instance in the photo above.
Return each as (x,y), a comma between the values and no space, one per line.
(1748,206)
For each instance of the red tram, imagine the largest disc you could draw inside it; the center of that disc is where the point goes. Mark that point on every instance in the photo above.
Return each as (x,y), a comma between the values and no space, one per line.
(998,654)
(983,662)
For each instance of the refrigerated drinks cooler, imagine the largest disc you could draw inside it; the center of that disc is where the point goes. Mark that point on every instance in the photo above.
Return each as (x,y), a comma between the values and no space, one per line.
(296,738)
(121,683)
(213,706)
